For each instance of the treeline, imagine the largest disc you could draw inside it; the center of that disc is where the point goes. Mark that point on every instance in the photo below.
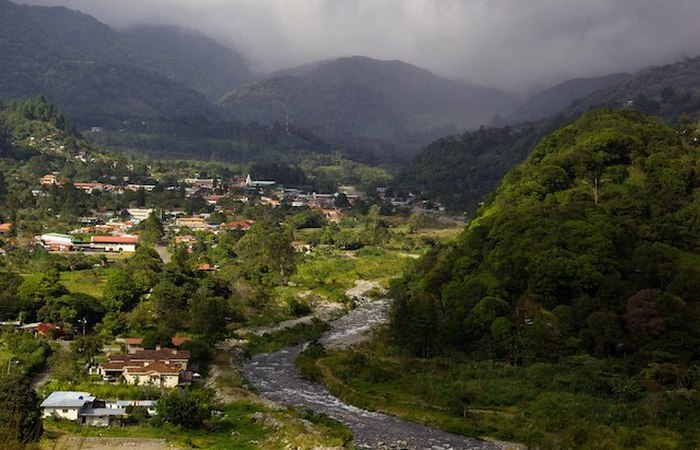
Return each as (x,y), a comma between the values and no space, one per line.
(590,247)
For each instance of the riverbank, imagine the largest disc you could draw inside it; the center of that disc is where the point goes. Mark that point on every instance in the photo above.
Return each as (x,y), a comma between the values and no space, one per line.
(275,377)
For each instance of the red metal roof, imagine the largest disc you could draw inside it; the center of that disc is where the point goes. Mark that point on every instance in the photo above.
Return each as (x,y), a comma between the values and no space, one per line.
(115,239)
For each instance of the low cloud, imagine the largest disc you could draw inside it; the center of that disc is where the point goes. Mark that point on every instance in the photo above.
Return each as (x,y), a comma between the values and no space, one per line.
(512,44)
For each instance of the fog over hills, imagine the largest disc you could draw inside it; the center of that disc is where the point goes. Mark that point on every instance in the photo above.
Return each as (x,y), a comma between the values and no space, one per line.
(369,103)
(510,44)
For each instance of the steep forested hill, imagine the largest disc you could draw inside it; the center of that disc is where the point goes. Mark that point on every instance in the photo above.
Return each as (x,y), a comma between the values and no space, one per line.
(590,246)
(385,106)
(460,171)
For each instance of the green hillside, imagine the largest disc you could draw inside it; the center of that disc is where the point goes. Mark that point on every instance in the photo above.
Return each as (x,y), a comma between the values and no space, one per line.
(460,171)
(590,246)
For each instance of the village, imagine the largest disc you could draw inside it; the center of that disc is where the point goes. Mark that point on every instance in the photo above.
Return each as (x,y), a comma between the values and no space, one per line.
(117,231)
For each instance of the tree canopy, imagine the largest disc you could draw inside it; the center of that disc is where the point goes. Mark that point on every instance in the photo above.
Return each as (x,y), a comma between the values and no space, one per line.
(588,246)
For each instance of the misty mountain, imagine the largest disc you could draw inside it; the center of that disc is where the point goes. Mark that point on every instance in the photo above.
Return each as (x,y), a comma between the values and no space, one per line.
(666,91)
(460,170)
(96,73)
(552,100)
(388,107)
(188,57)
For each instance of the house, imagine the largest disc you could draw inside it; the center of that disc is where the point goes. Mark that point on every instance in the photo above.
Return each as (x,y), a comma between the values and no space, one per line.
(114,243)
(66,404)
(89,187)
(86,409)
(205,183)
(56,242)
(154,374)
(240,224)
(43,329)
(164,367)
(49,180)
(195,223)
(186,239)
(150,405)
(134,344)
(140,214)
(148,187)
(212,199)
(101,417)
(249,182)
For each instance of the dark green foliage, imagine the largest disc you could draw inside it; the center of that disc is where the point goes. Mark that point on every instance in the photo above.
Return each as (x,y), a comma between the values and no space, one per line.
(306,361)
(460,171)
(266,254)
(10,304)
(20,417)
(286,337)
(582,248)
(667,91)
(99,75)
(184,408)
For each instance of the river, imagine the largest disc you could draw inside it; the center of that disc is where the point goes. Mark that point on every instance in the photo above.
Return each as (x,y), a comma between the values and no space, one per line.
(275,377)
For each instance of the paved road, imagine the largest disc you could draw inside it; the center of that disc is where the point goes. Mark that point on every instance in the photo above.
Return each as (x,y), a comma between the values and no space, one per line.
(44,376)
(163,253)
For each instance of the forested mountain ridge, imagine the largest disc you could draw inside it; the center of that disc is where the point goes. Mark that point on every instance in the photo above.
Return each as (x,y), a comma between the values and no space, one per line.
(95,73)
(589,247)
(384,106)
(460,171)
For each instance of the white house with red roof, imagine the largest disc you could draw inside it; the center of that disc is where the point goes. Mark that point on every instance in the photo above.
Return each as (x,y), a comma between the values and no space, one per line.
(114,243)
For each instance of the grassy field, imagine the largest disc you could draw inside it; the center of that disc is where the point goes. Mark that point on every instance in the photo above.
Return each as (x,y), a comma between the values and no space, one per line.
(328,273)
(89,281)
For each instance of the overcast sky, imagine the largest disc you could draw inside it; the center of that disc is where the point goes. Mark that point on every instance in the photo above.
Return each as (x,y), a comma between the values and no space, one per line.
(513,44)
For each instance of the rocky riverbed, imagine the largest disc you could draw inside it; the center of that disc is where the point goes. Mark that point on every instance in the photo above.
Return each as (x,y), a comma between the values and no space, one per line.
(275,377)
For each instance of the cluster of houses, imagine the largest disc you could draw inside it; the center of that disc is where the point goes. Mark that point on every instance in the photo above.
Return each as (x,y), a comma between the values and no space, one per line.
(162,367)
(212,190)
(86,409)
(108,231)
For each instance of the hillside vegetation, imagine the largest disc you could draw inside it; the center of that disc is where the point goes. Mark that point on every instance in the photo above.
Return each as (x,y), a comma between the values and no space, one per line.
(588,247)
(566,315)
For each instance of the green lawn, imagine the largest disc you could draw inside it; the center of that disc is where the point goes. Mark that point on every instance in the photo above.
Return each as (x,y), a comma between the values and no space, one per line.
(88,281)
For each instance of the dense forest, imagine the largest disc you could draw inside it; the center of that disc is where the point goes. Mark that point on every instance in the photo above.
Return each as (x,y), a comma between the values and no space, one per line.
(460,171)
(591,246)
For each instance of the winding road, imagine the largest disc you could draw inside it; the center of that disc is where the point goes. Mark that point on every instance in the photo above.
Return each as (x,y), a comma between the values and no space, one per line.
(275,377)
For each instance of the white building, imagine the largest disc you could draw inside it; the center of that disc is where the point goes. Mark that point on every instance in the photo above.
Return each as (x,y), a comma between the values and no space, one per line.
(114,243)
(85,409)
(56,241)
(140,214)
(66,404)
